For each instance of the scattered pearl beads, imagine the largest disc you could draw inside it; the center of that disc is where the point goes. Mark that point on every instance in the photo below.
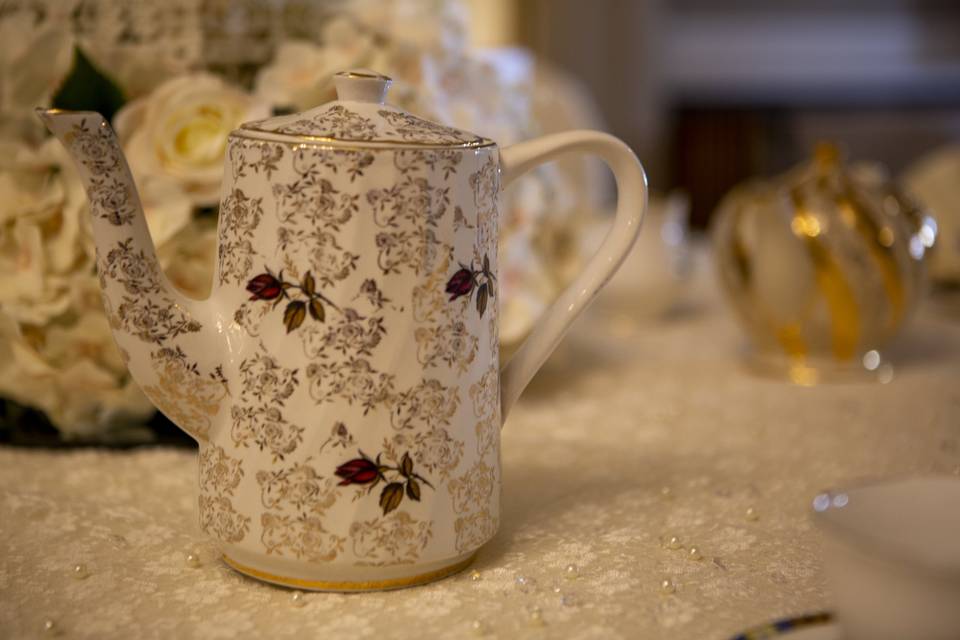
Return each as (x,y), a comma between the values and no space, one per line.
(475,576)
(694,554)
(50,627)
(666,493)
(80,572)
(298,599)
(667,587)
(571,571)
(751,514)
(193,560)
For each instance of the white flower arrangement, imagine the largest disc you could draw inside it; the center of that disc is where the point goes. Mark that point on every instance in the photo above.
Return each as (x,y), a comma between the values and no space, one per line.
(56,352)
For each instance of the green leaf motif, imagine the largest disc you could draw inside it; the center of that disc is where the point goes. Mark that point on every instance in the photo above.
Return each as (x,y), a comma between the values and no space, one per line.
(316,310)
(87,88)
(294,315)
(391,497)
(406,465)
(413,489)
(309,285)
(482,293)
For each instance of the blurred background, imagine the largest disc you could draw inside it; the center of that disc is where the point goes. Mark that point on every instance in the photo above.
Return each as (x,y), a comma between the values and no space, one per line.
(710,93)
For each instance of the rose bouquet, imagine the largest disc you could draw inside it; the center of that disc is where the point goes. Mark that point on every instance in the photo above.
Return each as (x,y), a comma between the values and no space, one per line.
(56,353)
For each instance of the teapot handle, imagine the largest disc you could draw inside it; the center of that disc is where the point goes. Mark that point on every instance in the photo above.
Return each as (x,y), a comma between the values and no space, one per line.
(516,160)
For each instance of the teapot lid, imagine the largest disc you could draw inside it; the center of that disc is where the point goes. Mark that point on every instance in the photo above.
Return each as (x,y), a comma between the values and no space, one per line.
(360,117)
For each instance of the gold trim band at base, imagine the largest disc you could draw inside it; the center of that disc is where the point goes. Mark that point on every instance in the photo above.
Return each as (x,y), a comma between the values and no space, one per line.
(369,585)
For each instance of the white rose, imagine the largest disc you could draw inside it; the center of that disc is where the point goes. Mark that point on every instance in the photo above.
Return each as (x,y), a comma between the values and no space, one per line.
(188,258)
(179,131)
(56,350)
(41,206)
(33,64)
(301,74)
(71,372)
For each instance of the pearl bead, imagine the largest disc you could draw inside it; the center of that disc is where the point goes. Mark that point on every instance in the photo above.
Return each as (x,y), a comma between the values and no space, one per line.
(751,514)
(536,617)
(666,493)
(479,628)
(673,543)
(193,560)
(526,584)
(694,554)
(298,599)
(50,627)
(667,587)
(571,571)
(80,572)
(475,576)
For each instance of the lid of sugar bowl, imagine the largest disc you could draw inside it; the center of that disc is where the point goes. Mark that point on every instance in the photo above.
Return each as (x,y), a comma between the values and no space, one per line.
(361,118)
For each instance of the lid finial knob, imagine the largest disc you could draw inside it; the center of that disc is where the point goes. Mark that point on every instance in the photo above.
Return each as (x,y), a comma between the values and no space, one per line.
(361,85)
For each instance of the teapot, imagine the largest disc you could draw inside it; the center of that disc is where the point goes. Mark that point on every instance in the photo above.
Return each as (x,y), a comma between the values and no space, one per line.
(342,378)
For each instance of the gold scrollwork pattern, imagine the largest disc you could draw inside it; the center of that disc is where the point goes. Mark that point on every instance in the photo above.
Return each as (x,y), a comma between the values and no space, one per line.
(239,218)
(395,539)
(138,314)
(109,189)
(473,489)
(311,197)
(258,417)
(354,380)
(442,336)
(220,474)
(428,404)
(296,498)
(409,212)
(303,538)
(183,394)
(336,122)
(474,529)
(266,162)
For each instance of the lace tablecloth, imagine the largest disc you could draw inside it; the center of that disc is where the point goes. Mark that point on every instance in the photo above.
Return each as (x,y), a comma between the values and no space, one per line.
(634,433)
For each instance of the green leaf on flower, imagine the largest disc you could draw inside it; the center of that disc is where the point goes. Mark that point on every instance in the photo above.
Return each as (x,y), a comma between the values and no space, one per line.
(482,293)
(309,285)
(413,489)
(391,497)
(294,315)
(316,310)
(406,465)
(87,88)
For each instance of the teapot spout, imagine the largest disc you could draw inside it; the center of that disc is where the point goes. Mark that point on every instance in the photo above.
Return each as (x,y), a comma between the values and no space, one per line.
(151,320)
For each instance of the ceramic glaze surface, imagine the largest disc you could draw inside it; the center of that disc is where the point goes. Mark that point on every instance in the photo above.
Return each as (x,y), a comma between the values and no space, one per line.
(343,378)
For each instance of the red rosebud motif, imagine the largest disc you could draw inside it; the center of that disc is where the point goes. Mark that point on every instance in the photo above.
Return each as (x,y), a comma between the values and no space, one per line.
(357,471)
(265,287)
(460,283)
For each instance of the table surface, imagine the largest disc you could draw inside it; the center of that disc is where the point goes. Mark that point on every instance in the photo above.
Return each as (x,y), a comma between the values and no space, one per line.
(635,431)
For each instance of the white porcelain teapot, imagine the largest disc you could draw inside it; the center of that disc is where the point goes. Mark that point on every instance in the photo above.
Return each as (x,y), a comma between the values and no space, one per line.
(343,377)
